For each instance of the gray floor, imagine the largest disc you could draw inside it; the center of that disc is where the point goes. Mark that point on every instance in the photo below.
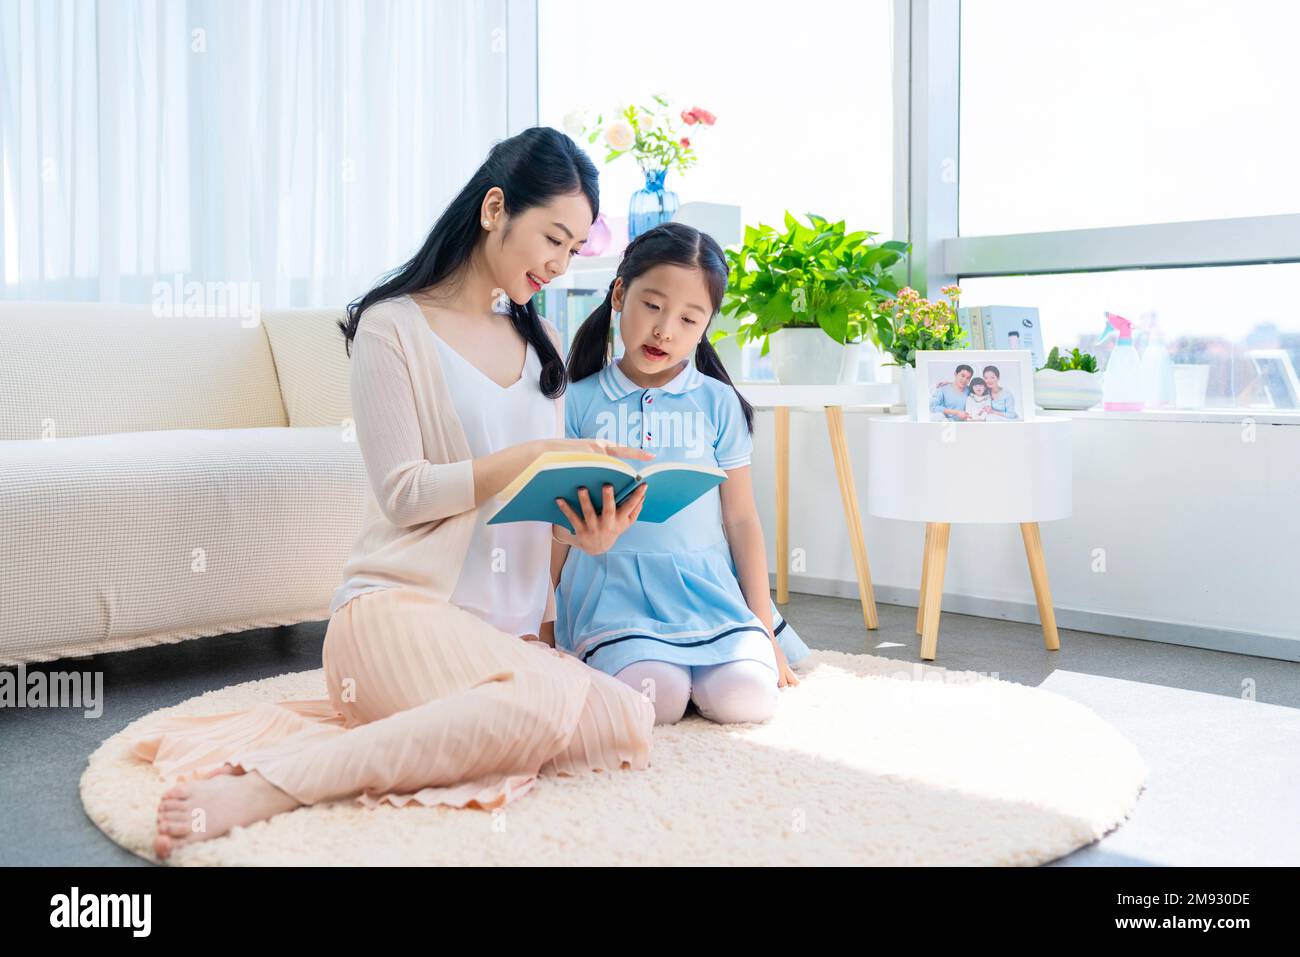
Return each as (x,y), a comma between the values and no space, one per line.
(1217,730)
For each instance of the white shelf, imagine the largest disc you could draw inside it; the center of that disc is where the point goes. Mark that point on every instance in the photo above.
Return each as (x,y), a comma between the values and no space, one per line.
(1264,416)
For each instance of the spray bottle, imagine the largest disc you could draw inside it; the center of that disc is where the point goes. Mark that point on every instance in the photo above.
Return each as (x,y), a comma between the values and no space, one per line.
(1157,367)
(1121,389)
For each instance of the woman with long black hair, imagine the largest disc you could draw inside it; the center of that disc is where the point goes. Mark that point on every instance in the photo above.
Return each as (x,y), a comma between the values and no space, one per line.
(457,385)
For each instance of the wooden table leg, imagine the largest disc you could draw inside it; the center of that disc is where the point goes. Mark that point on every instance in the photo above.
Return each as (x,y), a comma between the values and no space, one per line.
(925,575)
(782,414)
(937,560)
(844,470)
(1042,591)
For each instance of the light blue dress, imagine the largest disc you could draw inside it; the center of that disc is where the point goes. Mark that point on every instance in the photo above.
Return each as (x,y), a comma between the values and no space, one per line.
(665,591)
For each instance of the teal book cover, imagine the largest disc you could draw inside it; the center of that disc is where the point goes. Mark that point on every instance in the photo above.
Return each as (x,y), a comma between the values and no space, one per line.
(671,486)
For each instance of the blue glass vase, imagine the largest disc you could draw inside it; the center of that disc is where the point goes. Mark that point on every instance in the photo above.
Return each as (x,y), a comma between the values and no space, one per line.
(650,206)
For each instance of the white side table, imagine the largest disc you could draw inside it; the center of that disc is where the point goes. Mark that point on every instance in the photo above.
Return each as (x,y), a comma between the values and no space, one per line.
(922,472)
(833,398)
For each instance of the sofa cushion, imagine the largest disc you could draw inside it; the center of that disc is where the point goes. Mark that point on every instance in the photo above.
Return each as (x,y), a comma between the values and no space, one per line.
(118,541)
(75,369)
(312,364)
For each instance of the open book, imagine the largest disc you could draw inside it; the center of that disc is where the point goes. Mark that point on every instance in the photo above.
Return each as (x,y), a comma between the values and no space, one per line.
(531,496)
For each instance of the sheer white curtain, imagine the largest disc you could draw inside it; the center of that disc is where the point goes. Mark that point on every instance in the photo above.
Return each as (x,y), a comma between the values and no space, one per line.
(304,146)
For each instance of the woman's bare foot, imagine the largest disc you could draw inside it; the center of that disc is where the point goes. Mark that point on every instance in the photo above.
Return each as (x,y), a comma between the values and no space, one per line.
(209,807)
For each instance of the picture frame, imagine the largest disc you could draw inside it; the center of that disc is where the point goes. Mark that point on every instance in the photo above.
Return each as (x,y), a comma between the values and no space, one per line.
(938,373)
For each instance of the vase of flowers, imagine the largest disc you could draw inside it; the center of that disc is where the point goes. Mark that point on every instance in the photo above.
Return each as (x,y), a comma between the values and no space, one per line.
(910,324)
(650,205)
(650,135)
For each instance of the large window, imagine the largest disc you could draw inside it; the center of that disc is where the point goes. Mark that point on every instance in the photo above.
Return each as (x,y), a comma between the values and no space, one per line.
(803,95)
(1115,112)
(1244,340)
(1134,158)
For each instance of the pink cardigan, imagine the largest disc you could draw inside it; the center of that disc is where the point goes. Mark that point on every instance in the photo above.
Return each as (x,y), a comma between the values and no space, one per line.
(420,514)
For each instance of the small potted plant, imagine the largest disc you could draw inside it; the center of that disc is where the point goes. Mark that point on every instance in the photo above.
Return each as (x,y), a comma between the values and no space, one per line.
(650,135)
(1191,371)
(910,323)
(1069,381)
(811,290)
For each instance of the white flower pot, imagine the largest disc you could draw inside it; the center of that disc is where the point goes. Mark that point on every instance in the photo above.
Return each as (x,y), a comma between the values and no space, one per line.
(861,362)
(907,382)
(1190,384)
(1074,389)
(806,357)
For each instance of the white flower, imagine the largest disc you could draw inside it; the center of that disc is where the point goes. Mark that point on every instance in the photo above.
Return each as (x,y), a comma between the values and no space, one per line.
(619,135)
(574,122)
(646,121)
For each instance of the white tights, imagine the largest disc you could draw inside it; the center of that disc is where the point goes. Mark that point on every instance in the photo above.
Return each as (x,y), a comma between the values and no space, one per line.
(734,692)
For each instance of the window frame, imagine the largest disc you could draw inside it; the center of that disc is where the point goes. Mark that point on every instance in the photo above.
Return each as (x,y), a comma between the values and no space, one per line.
(942,256)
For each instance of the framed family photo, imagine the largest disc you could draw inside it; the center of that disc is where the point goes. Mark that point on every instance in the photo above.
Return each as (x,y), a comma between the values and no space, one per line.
(993,385)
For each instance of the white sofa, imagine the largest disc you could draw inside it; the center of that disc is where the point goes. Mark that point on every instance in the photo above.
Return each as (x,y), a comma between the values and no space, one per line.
(169,478)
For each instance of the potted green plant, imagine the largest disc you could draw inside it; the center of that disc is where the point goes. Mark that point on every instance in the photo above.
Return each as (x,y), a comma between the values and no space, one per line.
(1068,381)
(910,323)
(811,289)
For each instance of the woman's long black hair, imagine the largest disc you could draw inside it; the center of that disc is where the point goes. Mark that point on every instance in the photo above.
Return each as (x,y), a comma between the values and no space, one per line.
(674,244)
(532,168)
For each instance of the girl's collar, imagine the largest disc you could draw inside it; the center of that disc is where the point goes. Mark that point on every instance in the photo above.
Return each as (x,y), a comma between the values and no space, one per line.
(616,384)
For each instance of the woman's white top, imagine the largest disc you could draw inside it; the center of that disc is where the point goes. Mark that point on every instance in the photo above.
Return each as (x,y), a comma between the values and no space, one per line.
(507,569)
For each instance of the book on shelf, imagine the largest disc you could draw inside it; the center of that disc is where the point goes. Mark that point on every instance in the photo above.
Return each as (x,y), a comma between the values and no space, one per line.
(1003,327)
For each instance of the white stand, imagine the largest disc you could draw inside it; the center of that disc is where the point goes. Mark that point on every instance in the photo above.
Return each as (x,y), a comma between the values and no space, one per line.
(833,398)
(922,471)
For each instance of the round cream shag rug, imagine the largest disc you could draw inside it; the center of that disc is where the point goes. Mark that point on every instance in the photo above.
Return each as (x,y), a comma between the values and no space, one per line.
(868,761)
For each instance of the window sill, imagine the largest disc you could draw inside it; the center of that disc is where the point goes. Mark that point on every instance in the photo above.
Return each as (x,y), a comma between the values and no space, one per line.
(1220,416)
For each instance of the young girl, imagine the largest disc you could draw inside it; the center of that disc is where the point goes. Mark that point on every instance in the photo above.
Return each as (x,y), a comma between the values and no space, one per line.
(978,400)
(680,609)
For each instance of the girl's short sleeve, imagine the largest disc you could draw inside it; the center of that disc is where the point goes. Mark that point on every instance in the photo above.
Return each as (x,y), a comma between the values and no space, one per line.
(572,416)
(734,444)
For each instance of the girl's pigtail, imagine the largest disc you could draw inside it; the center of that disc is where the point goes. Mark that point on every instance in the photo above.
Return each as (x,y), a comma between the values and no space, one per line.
(709,363)
(592,344)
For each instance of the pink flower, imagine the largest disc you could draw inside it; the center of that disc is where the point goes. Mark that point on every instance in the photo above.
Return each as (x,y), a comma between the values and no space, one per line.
(685,141)
(697,114)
